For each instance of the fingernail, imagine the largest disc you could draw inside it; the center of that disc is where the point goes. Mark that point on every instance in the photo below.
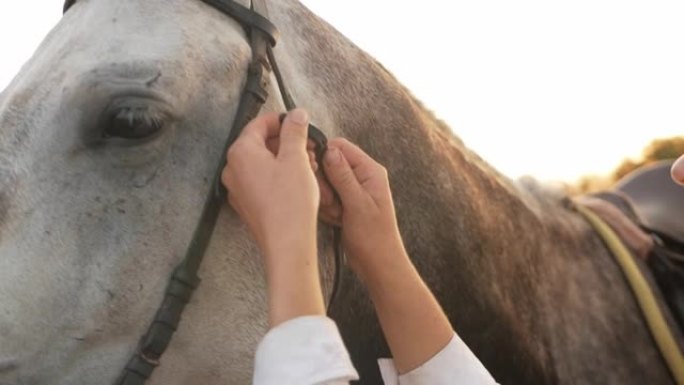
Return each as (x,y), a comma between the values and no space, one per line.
(298,116)
(333,156)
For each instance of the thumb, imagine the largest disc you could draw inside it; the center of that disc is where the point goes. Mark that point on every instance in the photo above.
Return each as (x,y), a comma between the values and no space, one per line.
(678,170)
(342,177)
(294,133)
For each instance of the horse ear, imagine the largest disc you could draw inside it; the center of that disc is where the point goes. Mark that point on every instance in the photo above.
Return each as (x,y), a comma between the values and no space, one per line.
(67,5)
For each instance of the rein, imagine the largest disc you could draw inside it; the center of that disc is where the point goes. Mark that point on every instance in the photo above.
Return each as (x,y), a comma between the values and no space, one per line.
(263,36)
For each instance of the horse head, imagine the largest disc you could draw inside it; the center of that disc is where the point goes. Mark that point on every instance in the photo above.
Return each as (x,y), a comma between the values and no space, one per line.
(111,135)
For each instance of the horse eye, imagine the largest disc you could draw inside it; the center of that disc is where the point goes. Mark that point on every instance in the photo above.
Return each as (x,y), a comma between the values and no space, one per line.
(133,123)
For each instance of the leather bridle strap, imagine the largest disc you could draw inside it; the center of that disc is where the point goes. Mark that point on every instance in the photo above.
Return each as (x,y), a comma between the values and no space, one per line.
(263,36)
(185,279)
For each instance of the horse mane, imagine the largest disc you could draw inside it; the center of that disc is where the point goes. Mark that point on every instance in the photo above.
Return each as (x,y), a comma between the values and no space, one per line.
(536,195)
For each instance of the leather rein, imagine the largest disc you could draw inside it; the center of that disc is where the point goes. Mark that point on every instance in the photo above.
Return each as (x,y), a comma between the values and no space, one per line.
(263,36)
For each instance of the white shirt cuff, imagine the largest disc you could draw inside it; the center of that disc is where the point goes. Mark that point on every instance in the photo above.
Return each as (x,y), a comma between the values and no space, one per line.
(455,364)
(302,351)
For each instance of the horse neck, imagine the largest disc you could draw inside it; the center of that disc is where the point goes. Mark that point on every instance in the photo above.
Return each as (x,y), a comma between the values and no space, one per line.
(513,265)
(449,201)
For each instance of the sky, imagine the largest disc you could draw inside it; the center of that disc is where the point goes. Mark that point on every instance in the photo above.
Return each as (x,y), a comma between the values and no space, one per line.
(551,89)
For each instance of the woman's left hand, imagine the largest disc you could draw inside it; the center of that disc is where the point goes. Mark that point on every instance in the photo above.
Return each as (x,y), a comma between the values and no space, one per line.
(271,184)
(270,179)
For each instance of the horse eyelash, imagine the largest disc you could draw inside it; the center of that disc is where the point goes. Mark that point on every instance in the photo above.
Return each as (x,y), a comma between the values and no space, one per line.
(149,115)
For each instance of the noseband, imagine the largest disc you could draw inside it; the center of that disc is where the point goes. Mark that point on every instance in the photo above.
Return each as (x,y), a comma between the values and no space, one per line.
(263,36)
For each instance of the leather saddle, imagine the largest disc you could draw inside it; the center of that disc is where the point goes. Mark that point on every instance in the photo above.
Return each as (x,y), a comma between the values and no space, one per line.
(657,200)
(646,208)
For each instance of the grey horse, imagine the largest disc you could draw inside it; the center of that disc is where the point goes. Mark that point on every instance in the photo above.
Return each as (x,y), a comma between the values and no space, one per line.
(91,225)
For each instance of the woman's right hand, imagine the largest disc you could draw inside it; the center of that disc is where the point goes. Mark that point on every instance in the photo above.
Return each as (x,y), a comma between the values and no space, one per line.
(412,321)
(365,209)
(678,170)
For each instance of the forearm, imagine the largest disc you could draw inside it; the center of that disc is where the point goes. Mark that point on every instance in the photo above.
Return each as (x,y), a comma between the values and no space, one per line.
(293,282)
(412,320)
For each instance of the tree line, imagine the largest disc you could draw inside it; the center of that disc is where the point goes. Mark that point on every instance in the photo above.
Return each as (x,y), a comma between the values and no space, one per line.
(656,151)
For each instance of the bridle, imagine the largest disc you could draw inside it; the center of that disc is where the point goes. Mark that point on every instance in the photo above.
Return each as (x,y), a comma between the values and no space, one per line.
(263,36)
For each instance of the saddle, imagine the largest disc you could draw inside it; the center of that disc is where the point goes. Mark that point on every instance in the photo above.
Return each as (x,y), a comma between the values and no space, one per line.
(657,201)
(646,209)
(645,213)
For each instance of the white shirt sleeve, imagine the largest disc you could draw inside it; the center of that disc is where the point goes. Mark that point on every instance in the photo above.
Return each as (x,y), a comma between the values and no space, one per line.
(455,364)
(303,351)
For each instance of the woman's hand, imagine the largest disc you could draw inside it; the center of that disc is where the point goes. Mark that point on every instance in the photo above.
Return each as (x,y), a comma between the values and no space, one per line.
(270,180)
(272,186)
(365,209)
(413,322)
(678,170)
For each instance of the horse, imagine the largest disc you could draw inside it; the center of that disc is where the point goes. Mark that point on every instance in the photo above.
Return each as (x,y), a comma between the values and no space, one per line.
(92,224)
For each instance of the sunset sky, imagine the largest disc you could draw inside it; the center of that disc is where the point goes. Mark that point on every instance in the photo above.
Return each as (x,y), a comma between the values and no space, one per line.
(546,88)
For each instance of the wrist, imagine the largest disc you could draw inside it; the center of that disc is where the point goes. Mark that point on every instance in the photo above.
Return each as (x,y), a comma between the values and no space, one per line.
(378,263)
(293,285)
(293,299)
(289,241)
(288,260)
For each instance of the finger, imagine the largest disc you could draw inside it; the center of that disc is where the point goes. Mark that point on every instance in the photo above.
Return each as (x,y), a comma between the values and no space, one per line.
(363,165)
(330,210)
(294,133)
(678,170)
(331,218)
(226,177)
(313,161)
(310,143)
(342,177)
(327,193)
(261,128)
(272,144)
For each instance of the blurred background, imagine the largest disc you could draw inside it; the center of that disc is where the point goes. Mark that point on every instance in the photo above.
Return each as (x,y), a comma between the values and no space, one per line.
(576,91)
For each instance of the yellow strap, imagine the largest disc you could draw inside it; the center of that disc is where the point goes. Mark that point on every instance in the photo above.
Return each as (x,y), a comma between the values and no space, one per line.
(647,301)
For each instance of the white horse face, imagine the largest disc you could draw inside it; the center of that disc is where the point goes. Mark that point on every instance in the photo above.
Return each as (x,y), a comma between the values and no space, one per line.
(109,139)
